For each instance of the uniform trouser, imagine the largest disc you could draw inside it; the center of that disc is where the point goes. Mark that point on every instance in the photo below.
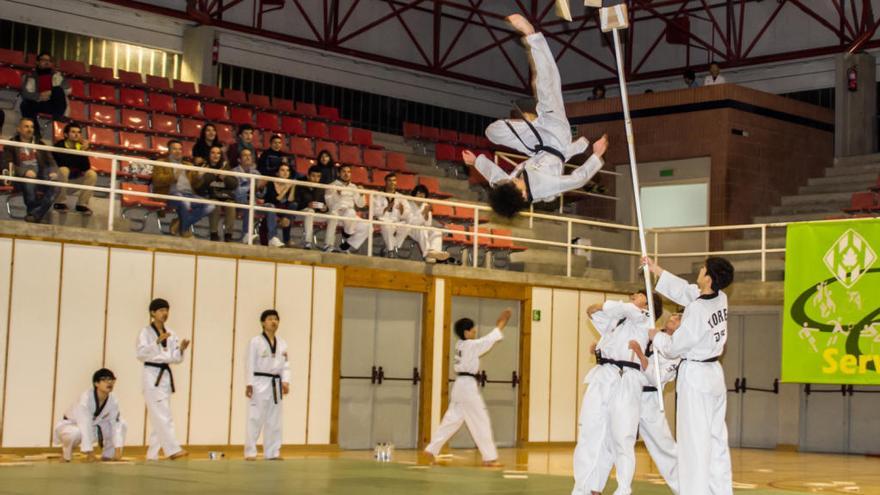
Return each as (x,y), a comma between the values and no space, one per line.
(263,415)
(309,226)
(466,406)
(609,416)
(392,235)
(551,121)
(357,231)
(87,178)
(68,434)
(161,424)
(658,440)
(703,451)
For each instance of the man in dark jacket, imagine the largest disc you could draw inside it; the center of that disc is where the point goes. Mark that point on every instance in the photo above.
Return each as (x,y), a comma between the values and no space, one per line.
(44,90)
(310,199)
(32,164)
(272,159)
(74,168)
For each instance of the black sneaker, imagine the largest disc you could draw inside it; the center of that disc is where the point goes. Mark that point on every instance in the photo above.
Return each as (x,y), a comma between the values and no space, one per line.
(345,246)
(60,207)
(85,210)
(227,237)
(30,219)
(215,236)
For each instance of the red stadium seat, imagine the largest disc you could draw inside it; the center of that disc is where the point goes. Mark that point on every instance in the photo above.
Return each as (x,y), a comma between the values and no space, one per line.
(103,92)
(261,101)
(459,237)
(10,78)
(468,139)
(406,182)
(292,125)
(166,124)
(350,155)
(102,137)
(132,201)
(187,148)
(268,121)
(130,78)
(70,67)
(187,88)
(329,147)
(134,98)
(191,128)
(411,130)
(378,179)
(329,113)
(161,103)
(303,165)
(225,133)
(102,73)
(863,202)
(317,130)
(136,119)
(189,107)
(216,112)
(362,137)
(77,89)
(16,58)
(360,176)
(505,244)
(160,144)
(207,91)
(396,161)
(240,115)
(76,110)
(445,152)
(103,114)
(134,141)
(442,211)
(484,142)
(283,106)
(340,133)
(433,186)
(302,146)
(374,158)
(430,133)
(159,83)
(449,135)
(307,109)
(235,96)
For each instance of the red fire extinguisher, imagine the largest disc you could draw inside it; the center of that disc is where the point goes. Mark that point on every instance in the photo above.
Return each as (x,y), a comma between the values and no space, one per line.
(215,52)
(852,78)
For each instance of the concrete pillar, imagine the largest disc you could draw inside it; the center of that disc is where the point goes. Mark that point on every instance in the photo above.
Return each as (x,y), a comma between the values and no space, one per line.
(855,119)
(198,43)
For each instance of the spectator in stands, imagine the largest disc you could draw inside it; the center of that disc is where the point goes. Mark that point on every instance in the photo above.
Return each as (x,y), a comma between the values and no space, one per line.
(310,199)
(272,159)
(714,76)
(279,195)
(220,188)
(74,168)
(329,167)
(245,141)
(44,90)
(185,185)
(690,79)
(344,203)
(430,241)
(598,92)
(207,139)
(243,189)
(33,164)
(390,210)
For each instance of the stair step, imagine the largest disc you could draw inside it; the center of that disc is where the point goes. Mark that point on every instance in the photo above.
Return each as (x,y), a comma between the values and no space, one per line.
(848,187)
(791,217)
(816,199)
(864,169)
(825,208)
(754,243)
(857,160)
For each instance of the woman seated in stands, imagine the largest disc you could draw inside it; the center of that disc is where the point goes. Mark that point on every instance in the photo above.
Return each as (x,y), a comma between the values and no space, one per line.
(202,149)
(329,167)
(279,195)
(220,188)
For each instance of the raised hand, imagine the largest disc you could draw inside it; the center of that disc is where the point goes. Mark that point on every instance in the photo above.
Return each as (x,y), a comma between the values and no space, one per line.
(503,318)
(468,157)
(184,344)
(521,24)
(601,146)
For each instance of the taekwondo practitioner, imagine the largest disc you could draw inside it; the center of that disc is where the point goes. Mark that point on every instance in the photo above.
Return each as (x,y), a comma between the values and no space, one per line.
(159,347)
(610,407)
(418,213)
(94,418)
(466,405)
(546,140)
(652,422)
(344,203)
(703,452)
(391,209)
(268,381)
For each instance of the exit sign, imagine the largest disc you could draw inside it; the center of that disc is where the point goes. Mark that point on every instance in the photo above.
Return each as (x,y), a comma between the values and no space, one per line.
(666,173)
(536,315)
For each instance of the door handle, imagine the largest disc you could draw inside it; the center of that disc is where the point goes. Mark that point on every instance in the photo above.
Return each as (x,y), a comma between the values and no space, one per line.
(380,375)
(416,377)
(374,375)
(514,379)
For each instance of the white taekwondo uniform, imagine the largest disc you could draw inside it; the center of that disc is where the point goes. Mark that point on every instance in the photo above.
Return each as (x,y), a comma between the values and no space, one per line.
(158,385)
(344,203)
(392,235)
(266,369)
(428,240)
(86,422)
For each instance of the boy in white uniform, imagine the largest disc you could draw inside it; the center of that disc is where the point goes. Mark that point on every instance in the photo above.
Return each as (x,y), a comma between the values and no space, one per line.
(157,348)
(391,209)
(344,203)
(610,408)
(652,422)
(466,404)
(546,140)
(94,418)
(419,213)
(703,452)
(268,381)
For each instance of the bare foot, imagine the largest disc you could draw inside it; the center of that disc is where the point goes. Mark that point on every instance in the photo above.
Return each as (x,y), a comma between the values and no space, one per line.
(521,24)
(492,464)
(250,458)
(178,455)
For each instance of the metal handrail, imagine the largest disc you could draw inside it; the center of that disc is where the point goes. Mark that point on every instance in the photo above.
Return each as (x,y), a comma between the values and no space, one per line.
(114,189)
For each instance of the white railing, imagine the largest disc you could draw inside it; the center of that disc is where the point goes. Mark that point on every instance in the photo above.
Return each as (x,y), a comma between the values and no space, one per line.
(113,190)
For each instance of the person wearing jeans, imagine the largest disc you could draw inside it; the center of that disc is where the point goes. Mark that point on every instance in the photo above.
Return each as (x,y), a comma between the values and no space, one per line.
(188,212)
(32,164)
(242,192)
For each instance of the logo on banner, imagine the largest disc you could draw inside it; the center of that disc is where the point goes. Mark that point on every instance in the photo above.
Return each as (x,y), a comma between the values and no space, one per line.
(849,258)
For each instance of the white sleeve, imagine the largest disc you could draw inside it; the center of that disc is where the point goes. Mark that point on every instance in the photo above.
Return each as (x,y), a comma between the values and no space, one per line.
(147,348)
(602,322)
(577,147)
(485,343)
(176,353)
(491,171)
(379,205)
(684,339)
(250,362)
(83,418)
(677,289)
(619,309)
(285,374)
(359,200)
(331,197)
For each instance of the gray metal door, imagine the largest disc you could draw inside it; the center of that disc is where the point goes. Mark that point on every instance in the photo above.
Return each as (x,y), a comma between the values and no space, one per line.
(759,384)
(501,367)
(732,364)
(379,369)
(864,420)
(824,418)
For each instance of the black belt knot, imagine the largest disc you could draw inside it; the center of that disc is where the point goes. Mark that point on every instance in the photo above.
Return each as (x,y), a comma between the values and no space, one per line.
(620,364)
(649,389)
(276,391)
(553,151)
(163,367)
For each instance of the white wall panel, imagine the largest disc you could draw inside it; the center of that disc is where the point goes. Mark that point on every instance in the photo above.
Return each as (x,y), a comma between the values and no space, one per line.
(128,300)
(539,366)
(323,333)
(564,366)
(5,274)
(293,300)
(33,328)
(81,322)
(212,351)
(438,377)
(255,293)
(174,280)
(587,336)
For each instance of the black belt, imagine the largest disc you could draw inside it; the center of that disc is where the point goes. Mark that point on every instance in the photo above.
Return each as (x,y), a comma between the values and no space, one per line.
(620,364)
(710,360)
(275,392)
(553,151)
(472,375)
(99,431)
(649,389)
(163,367)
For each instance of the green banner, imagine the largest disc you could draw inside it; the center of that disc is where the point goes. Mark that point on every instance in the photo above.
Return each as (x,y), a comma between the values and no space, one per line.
(831,324)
